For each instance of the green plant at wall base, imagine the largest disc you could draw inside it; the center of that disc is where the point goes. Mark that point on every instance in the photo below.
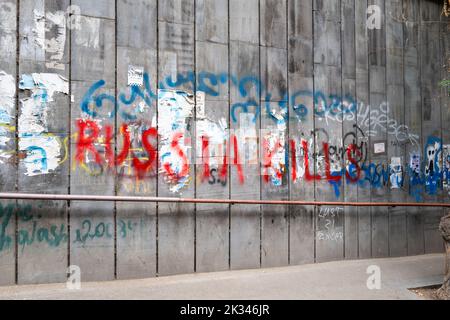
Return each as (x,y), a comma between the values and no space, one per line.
(445,83)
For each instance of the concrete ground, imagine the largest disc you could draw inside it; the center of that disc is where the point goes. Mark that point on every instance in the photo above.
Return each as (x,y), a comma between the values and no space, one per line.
(332,280)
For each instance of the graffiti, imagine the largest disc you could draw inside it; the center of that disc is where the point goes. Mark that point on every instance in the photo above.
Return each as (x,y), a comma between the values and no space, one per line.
(145,148)
(329,225)
(329,107)
(446,175)
(55,235)
(214,178)
(433,148)
(396,173)
(415,179)
(90,231)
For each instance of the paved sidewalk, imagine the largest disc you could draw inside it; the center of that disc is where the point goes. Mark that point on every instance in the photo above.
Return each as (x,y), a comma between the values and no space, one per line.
(333,280)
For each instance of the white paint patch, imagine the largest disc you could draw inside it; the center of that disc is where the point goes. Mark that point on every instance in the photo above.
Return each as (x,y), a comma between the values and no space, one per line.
(217,136)
(42,154)
(248,138)
(89,35)
(174,109)
(42,151)
(56,45)
(39,28)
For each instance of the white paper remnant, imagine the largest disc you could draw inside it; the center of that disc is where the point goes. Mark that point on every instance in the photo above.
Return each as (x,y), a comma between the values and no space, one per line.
(379,147)
(7,94)
(135,76)
(200,105)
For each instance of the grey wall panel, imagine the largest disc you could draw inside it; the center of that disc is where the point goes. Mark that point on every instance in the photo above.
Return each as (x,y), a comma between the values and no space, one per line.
(362,97)
(40,261)
(412,117)
(92,225)
(396,114)
(349,130)
(300,77)
(245,225)
(328,80)
(176,54)
(136,223)
(377,98)
(8,168)
(431,117)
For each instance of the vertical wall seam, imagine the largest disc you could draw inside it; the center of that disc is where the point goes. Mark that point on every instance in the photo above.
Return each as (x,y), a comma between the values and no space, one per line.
(420,25)
(229,124)
(356,122)
(287,144)
(195,134)
(157,143)
(314,126)
(69,149)
(116,180)
(404,113)
(370,124)
(386,135)
(404,116)
(344,183)
(442,64)
(259,148)
(17,103)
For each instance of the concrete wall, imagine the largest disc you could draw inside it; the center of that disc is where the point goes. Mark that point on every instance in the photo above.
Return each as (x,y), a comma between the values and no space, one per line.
(306,100)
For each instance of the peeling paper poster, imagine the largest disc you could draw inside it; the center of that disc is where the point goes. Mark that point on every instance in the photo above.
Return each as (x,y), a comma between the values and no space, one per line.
(42,151)
(275,156)
(42,154)
(7,98)
(174,110)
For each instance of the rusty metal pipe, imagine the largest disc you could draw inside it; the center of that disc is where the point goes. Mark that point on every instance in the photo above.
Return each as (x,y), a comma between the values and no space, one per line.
(72,197)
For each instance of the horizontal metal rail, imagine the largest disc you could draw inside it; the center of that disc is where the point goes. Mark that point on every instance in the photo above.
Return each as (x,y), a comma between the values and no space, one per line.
(73,197)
